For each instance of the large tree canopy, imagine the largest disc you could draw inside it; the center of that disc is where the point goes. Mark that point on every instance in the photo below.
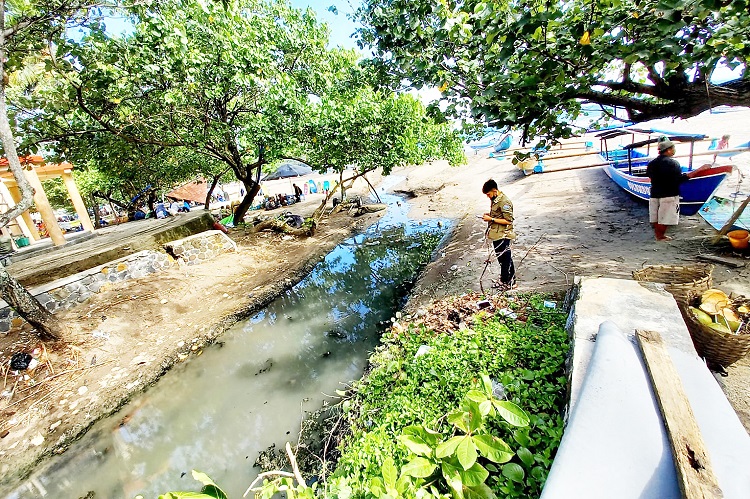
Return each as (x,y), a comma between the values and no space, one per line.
(230,84)
(529,63)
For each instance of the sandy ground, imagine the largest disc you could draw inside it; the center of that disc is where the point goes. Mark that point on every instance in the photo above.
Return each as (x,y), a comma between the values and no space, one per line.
(570,223)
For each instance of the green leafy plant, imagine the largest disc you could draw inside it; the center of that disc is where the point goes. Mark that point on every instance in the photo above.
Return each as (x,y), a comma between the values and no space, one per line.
(454,458)
(209,491)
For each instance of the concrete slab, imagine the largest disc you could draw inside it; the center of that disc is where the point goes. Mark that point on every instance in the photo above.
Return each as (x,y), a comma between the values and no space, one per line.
(611,394)
(110,243)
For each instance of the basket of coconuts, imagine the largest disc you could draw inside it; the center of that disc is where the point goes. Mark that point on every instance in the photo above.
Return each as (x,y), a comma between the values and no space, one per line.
(719,325)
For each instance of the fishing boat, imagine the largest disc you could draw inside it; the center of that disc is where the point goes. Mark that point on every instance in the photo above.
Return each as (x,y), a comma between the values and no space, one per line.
(626,166)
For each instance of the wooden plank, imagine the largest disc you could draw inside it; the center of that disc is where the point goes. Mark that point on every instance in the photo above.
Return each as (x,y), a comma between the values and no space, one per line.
(694,473)
(730,262)
(727,226)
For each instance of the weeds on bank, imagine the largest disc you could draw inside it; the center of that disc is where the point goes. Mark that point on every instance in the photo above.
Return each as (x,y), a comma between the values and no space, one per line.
(477,413)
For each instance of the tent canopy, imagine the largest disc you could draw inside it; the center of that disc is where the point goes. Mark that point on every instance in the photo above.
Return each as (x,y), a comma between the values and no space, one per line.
(289,168)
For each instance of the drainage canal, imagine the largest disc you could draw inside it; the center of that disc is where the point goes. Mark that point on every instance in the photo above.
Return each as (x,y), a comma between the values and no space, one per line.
(218,411)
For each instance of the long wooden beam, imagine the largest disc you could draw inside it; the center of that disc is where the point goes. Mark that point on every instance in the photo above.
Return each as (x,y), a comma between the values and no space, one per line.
(694,472)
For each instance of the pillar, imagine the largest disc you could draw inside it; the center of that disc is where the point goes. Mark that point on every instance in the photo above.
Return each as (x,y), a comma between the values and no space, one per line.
(45,210)
(26,220)
(78,204)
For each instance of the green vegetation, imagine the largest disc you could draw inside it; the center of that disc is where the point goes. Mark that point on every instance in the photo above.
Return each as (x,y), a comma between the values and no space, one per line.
(533,64)
(205,89)
(477,414)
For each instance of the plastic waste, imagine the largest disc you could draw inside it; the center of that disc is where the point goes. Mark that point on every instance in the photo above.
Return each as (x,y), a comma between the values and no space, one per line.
(20,361)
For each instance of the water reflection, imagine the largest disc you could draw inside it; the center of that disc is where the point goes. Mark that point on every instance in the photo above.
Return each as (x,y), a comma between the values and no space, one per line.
(218,411)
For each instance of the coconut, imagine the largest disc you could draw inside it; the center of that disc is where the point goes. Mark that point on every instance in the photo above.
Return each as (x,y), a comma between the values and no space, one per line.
(714,308)
(729,314)
(701,316)
(720,328)
(734,325)
(713,295)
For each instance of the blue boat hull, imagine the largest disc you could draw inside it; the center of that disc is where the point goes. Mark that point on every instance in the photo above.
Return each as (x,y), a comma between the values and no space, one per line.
(693,193)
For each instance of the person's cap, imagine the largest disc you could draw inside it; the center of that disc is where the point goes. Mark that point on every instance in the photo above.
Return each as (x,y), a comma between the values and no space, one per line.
(665,144)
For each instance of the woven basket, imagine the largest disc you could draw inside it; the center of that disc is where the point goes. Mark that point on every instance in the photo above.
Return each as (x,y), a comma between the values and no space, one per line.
(714,346)
(679,280)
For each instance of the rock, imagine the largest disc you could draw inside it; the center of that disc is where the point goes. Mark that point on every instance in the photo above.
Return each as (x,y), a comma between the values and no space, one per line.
(454,268)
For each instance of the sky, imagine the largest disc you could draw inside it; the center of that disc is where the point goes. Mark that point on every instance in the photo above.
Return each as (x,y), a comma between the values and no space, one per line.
(340,25)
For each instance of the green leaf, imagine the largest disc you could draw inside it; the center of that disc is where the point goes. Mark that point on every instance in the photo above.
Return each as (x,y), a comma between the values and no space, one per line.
(476,396)
(448,447)
(419,467)
(493,448)
(415,444)
(476,475)
(526,456)
(390,473)
(511,413)
(459,419)
(514,472)
(186,495)
(481,491)
(522,437)
(209,487)
(485,407)
(466,452)
(453,479)
(475,420)
(486,384)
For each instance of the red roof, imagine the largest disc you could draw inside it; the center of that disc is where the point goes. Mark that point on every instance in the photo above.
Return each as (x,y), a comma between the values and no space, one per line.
(192,191)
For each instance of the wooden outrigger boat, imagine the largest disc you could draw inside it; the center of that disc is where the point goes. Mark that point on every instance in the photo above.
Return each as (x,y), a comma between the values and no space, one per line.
(626,166)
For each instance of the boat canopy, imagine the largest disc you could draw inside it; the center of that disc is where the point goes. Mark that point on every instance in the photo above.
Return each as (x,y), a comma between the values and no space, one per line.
(670,133)
(610,134)
(673,138)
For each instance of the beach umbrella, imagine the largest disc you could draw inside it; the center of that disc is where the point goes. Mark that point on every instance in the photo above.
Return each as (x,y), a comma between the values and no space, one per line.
(289,168)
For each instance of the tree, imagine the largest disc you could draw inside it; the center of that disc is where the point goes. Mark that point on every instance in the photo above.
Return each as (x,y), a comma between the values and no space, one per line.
(231,84)
(24,28)
(533,64)
(366,130)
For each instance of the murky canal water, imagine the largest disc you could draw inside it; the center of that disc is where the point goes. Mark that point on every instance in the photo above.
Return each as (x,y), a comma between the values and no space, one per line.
(218,411)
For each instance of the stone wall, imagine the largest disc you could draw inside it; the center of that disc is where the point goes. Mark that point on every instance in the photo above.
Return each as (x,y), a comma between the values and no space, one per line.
(66,293)
(196,249)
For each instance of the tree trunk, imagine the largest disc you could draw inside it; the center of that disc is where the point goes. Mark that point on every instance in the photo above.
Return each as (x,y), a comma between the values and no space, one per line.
(47,326)
(343,187)
(211,191)
(279,226)
(252,189)
(97,216)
